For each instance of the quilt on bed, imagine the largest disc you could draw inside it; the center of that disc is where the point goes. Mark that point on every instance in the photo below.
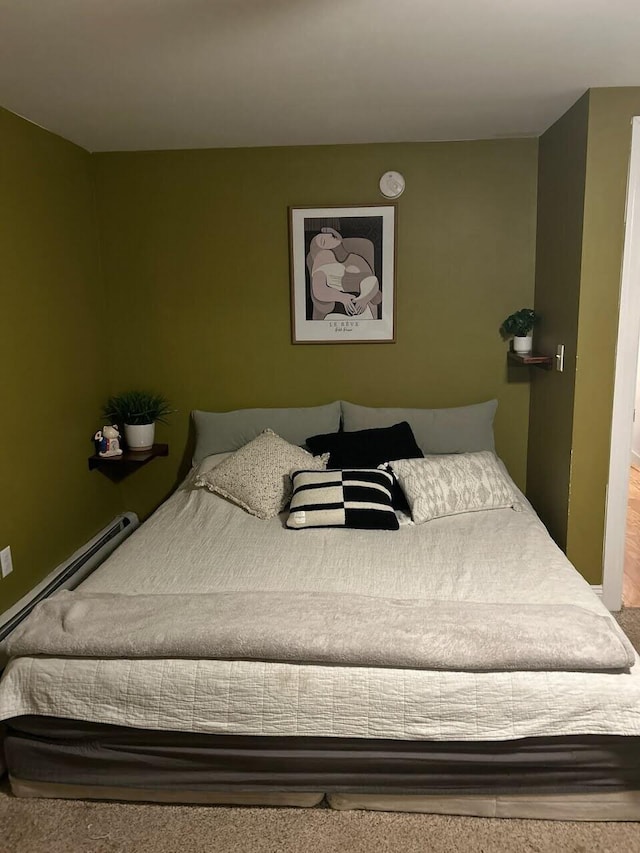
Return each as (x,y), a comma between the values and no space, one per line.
(198,543)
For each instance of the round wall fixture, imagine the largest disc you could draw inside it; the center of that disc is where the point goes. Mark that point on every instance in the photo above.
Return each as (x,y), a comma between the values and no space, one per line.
(392,184)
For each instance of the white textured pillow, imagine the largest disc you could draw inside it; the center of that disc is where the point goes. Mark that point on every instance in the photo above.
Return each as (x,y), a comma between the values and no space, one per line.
(437,486)
(256,477)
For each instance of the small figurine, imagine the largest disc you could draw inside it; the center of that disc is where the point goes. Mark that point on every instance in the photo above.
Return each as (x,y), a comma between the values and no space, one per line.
(108,441)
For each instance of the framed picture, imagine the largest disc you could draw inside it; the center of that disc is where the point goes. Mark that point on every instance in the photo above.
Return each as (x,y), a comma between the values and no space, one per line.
(343,274)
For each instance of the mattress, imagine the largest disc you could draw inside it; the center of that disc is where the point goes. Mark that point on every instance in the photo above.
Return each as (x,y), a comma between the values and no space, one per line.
(197,542)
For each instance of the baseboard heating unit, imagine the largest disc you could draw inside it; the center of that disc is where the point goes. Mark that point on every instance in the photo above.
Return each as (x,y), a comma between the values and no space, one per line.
(69,574)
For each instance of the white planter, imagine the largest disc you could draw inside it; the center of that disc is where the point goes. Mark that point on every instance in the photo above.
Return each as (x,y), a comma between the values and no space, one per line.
(522,345)
(139,437)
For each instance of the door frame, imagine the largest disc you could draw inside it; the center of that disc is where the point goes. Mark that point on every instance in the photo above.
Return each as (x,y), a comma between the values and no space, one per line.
(626,371)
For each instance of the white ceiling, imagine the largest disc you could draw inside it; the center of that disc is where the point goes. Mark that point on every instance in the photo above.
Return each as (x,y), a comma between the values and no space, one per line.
(151,74)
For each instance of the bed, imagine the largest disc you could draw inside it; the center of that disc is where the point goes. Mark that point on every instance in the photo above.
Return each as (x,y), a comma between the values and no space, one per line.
(552,743)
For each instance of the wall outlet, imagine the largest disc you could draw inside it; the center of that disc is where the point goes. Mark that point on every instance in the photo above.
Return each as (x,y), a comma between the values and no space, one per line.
(5,561)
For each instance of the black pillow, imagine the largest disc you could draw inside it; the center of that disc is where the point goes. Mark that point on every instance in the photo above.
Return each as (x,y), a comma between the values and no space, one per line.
(368,448)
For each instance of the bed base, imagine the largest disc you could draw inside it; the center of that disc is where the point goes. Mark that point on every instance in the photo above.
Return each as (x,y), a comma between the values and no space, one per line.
(58,791)
(561,778)
(618,806)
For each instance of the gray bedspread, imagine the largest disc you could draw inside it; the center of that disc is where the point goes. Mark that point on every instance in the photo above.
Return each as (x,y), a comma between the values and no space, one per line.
(324,628)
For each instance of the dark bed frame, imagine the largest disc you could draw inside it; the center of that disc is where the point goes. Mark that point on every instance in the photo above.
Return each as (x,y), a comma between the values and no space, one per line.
(48,756)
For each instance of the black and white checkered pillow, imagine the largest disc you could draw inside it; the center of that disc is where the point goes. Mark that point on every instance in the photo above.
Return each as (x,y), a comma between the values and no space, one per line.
(353,497)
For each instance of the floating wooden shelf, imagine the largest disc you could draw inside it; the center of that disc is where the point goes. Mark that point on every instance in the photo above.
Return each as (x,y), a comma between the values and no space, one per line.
(531,358)
(117,467)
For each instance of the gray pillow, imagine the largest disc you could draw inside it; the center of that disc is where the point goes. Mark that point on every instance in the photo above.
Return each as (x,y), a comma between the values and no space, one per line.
(465,429)
(219,432)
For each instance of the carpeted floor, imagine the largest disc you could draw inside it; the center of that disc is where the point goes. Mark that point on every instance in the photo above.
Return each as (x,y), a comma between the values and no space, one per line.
(57,826)
(67,826)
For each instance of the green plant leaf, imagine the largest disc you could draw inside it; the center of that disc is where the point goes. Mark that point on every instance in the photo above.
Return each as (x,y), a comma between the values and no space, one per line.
(137,408)
(519,324)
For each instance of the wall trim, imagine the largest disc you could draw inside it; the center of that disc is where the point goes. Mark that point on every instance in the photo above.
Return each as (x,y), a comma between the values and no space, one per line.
(624,388)
(71,571)
(597,588)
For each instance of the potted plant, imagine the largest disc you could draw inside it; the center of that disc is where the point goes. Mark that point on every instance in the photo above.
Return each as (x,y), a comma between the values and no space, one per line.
(519,326)
(138,412)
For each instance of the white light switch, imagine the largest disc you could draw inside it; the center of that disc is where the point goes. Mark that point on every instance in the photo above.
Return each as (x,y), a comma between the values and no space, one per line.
(560,358)
(5,561)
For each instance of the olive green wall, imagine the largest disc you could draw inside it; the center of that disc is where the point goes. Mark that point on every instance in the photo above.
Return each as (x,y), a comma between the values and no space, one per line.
(196,259)
(193,299)
(582,196)
(53,353)
(561,181)
(609,143)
